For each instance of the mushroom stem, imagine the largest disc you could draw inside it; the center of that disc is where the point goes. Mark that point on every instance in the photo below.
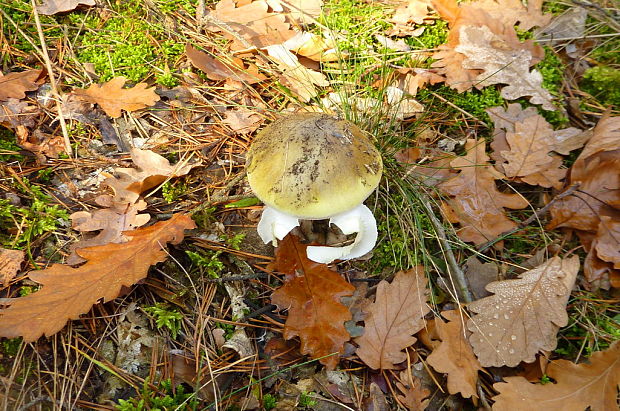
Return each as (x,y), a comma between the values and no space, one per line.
(359,220)
(274,225)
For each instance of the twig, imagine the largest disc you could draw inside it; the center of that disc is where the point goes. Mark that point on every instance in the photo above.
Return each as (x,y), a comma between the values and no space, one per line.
(454,271)
(237,278)
(537,214)
(50,73)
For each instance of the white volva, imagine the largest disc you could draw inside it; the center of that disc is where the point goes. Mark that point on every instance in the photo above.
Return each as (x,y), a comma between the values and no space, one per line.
(275,225)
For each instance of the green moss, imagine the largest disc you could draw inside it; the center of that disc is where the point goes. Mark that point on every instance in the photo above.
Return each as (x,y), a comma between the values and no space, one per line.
(552,70)
(357,20)
(7,142)
(603,83)
(433,36)
(127,45)
(172,6)
(474,102)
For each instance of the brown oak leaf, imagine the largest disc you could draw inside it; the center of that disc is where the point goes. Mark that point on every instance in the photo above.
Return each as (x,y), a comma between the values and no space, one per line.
(524,315)
(397,313)
(218,70)
(15,84)
(414,396)
(454,356)
(593,385)
(152,170)
(10,262)
(113,98)
(111,222)
(476,203)
(49,7)
(597,171)
(523,143)
(67,292)
(312,293)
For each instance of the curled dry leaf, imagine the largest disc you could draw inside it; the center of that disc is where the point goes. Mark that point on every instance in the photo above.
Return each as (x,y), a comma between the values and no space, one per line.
(242,120)
(476,203)
(15,84)
(312,294)
(524,315)
(407,14)
(594,209)
(10,262)
(67,292)
(577,386)
(397,313)
(414,396)
(49,7)
(113,98)
(454,356)
(218,70)
(153,169)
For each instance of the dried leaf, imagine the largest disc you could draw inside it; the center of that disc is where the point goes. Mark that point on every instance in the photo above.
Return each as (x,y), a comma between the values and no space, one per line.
(479,275)
(242,120)
(300,11)
(298,78)
(16,113)
(111,222)
(314,47)
(524,315)
(476,202)
(113,98)
(218,70)
(407,14)
(252,22)
(597,171)
(397,313)
(511,12)
(523,142)
(153,169)
(451,63)
(502,64)
(10,262)
(577,386)
(68,292)
(414,394)
(607,241)
(15,84)
(49,7)
(312,294)
(454,356)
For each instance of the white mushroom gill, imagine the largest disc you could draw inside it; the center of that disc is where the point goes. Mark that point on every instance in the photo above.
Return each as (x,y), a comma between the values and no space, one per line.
(275,225)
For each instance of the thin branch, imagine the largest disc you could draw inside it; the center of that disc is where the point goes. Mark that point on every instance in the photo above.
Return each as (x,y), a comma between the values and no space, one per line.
(454,271)
(50,73)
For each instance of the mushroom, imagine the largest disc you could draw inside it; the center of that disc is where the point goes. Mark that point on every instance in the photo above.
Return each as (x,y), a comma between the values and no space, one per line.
(313,166)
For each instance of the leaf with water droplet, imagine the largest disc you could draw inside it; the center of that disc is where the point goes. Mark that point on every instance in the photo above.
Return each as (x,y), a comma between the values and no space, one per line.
(533,308)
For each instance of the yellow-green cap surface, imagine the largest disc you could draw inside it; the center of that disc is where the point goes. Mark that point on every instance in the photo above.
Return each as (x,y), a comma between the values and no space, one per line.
(312,165)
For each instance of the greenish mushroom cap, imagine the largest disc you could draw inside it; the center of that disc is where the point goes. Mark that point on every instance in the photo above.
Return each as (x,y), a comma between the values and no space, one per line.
(313,166)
